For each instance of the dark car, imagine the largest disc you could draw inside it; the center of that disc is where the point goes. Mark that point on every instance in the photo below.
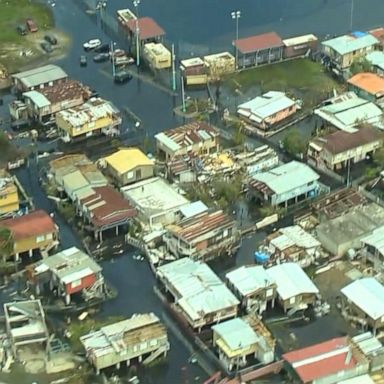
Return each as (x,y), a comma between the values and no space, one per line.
(19,125)
(50,39)
(22,30)
(122,77)
(103,48)
(83,61)
(46,47)
(101,57)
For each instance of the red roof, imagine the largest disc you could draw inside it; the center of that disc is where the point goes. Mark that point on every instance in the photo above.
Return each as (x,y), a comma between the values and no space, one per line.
(148,28)
(259,42)
(107,207)
(34,224)
(321,360)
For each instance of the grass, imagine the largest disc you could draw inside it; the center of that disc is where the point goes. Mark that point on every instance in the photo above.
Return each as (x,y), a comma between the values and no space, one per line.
(301,77)
(15,12)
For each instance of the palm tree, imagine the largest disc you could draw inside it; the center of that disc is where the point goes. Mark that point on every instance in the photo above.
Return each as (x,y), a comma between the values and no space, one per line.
(6,243)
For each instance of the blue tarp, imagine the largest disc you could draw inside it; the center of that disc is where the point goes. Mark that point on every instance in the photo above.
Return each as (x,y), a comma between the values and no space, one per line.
(358,34)
(261,257)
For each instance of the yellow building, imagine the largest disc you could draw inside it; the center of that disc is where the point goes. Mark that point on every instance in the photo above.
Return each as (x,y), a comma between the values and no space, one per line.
(128,165)
(157,55)
(94,117)
(9,198)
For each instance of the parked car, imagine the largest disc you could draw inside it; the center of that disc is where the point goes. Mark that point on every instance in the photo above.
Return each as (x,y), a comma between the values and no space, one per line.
(123,60)
(103,48)
(22,30)
(51,39)
(83,61)
(47,48)
(101,57)
(118,53)
(91,44)
(19,125)
(122,77)
(32,27)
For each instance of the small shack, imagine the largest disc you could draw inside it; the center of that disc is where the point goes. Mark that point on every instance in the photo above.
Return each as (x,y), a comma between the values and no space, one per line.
(141,337)
(194,71)
(157,56)
(299,46)
(220,64)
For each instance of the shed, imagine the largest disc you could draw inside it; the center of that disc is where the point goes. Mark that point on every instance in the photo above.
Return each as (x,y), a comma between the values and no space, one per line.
(148,28)
(299,45)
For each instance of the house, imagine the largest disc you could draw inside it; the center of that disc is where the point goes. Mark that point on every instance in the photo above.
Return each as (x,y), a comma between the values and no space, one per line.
(69,272)
(219,64)
(25,324)
(328,362)
(372,248)
(241,338)
(194,71)
(344,50)
(286,184)
(9,197)
(295,289)
(127,166)
(367,85)
(193,138)
(203,237)
(372,349)
(259,49)
(94,117)
(31,232)
(43,104)
(348,112)
(156,202)
(267,110)
(379,34)
(39,78)
(105,209)
(141,337)
(253,286)
(299,46)
(362,301)
(340,149)
(341,234)
(198,293)
(293,244)
(157,56)
(376,58)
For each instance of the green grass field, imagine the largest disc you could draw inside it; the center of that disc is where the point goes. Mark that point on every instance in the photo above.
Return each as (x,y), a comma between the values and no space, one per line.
(15,12)
(302,77)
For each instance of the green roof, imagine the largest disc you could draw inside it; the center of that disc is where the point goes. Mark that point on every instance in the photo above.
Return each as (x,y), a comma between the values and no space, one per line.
(347,43)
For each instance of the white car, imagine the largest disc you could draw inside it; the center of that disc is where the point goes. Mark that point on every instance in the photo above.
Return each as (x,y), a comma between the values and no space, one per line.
(91,44)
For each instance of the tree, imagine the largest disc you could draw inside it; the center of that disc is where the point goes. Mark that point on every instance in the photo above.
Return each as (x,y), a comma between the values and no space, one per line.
(360,65)
(6,243)
(293,143)
(378,157)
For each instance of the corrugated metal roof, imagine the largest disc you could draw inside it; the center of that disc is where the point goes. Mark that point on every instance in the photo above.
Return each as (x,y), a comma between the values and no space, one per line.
(291,280)
(127,159)
(258,42)
(347,43)
(376,58)
(37,98)
(41,75)
(287,177)
(250,278)
(236,333)
(300,237)
(264,106)
(363,379)
(193,209)
(376,239)
(367,294)
(299,40)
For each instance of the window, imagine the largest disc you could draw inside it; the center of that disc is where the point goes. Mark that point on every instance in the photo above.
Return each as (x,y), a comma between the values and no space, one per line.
(292,300)
(49,236)
(143,346)
(39,239)
(76,283)
(138,174)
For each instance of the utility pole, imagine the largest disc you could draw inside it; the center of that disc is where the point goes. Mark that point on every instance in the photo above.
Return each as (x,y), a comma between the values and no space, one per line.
(236,16)
(137,32)
(182,93)
(352,10)
(113,59)
(173,68)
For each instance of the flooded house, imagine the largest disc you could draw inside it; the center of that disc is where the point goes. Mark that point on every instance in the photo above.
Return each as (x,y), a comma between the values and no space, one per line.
(127,166)
(239,340)
(204,236)
(142,337)
(38,78)
(285,185)
(195,138)
(25,324)
(362,302)
(68,272)
(292,244)
(267,110)
(259,49)
(328,362)
(295,290)
(253,286)
(198,293)
(35,231)
(194,71)
(94,117)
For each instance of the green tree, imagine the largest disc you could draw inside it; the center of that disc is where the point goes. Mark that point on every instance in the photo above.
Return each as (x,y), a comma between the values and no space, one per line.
(6,243)
(378,157)
(294,143)
(360,65)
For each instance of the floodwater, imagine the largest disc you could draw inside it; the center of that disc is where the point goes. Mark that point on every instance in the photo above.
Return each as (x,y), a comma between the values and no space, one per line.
(196,27)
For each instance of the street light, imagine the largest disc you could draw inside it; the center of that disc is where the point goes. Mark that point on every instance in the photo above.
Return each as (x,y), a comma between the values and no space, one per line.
(236,16)
(113,58)
(136,5)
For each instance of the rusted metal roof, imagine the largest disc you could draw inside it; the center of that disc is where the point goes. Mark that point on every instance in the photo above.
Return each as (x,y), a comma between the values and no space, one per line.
(259,42)
(148,28)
